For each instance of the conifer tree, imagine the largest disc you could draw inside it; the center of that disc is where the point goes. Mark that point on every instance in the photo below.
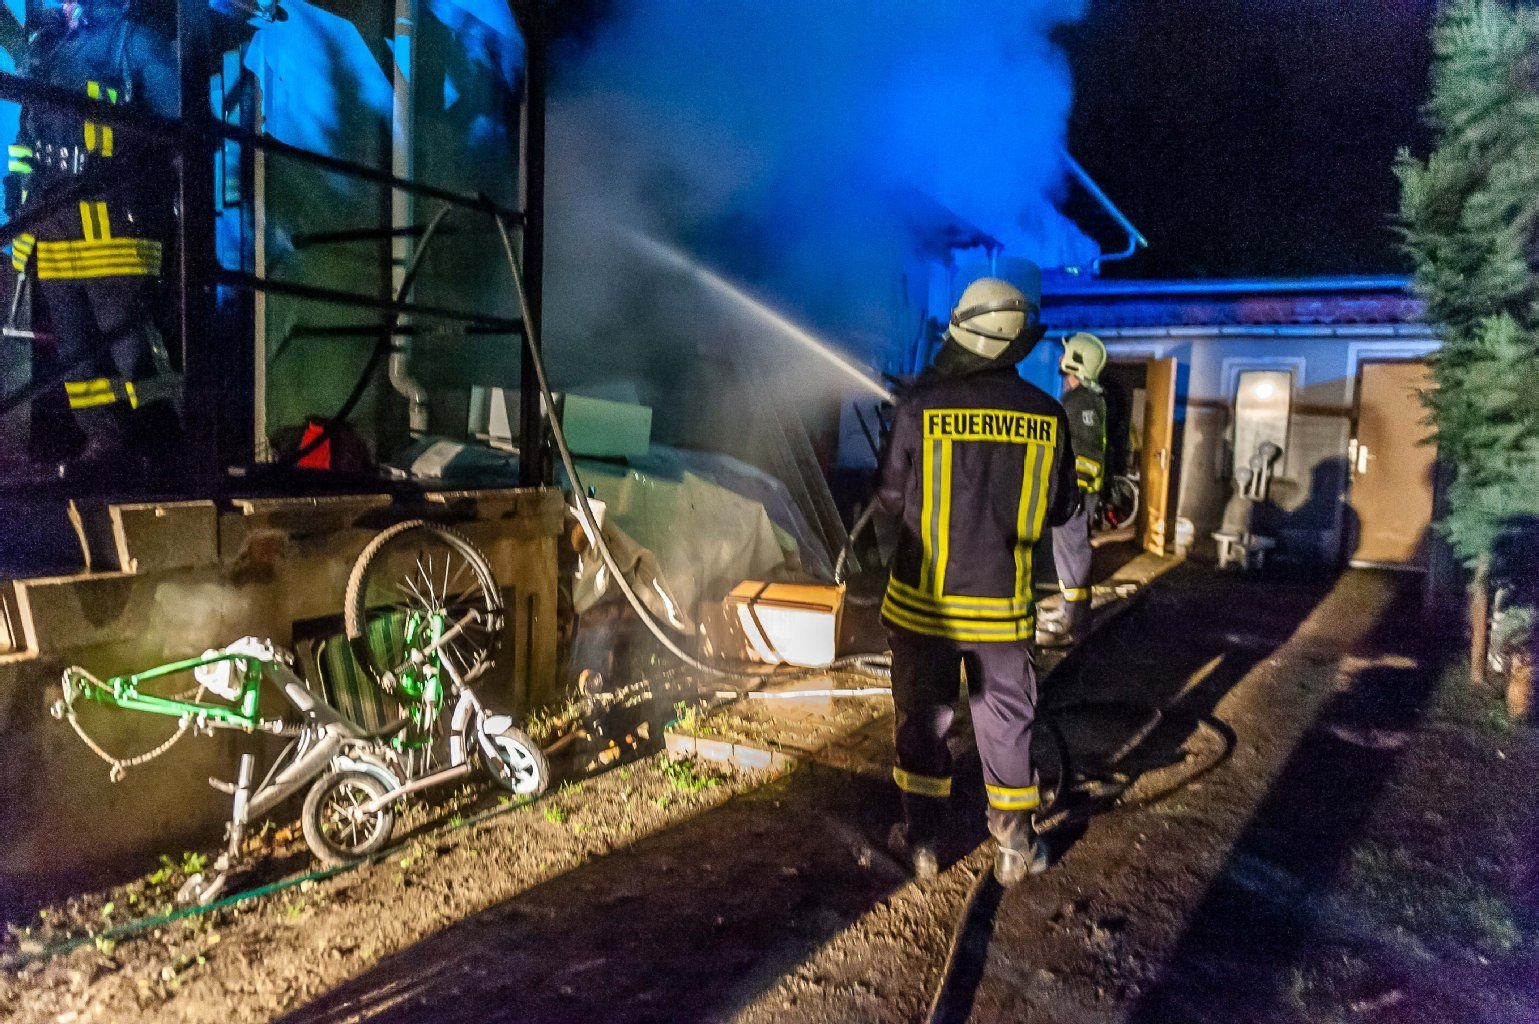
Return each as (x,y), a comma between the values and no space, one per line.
(1470,216)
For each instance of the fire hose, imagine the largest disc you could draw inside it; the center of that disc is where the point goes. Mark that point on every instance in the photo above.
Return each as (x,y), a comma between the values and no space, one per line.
(877,666)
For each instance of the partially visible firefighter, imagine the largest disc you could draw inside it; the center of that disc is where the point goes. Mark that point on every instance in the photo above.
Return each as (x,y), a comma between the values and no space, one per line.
(977,466)
(95,254)
(1084,356)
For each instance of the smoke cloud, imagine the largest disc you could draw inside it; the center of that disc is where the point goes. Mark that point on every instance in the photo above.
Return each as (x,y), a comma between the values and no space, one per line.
(790,146)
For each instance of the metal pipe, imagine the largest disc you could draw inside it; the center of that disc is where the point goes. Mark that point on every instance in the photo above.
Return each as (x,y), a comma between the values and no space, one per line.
(1417,331)
(531,456)
(238,279)
(403,206)
(18,89)
(1232,286)
(305,239)
(458,771)
(296,775)
(1136,239)
(413,330)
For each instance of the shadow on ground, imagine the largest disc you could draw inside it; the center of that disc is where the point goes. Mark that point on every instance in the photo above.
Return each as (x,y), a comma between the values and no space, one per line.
(682,926)
(1237,958)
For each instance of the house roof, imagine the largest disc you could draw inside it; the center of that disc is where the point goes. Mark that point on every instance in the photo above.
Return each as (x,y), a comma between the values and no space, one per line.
(1333,301)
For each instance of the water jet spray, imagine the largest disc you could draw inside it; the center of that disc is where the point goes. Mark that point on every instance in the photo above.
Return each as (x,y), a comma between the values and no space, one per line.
(667,255)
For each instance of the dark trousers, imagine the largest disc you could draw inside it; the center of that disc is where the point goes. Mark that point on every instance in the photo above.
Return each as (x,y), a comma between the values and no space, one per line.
(1071,557)
(1002,696)
(104,329)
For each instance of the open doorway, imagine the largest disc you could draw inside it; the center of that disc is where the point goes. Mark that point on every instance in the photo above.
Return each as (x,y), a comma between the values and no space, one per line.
(1141,439)
(1124,384)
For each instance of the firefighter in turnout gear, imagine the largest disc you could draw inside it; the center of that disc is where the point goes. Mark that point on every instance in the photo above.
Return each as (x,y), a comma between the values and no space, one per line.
(96,257)
(976,467)
(1085,406)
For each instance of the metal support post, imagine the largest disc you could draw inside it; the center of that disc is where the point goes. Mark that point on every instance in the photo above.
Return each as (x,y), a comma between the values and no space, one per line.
(531,429)
(219,377)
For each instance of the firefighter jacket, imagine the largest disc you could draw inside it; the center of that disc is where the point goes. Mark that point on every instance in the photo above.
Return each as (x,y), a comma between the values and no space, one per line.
(977,466)
(117,229)
(1086,410)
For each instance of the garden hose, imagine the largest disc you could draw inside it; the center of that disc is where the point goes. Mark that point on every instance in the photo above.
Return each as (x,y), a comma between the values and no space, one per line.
(874,665)
(143,924)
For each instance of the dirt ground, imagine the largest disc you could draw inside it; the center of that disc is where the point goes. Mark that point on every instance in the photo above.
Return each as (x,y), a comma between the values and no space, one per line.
(1326,825)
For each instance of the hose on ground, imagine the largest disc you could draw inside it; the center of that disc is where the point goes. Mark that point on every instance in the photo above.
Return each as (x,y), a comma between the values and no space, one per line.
(874,665)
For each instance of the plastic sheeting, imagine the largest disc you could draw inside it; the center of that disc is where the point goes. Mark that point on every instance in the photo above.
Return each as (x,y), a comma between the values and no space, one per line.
(705,538)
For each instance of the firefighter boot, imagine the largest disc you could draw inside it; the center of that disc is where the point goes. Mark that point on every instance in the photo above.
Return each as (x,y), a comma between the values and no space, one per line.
(1020,851)
(106,457)
(912,840)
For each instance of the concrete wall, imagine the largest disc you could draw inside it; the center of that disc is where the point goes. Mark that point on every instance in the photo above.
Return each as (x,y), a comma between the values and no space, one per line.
(191,577)
(1309,488)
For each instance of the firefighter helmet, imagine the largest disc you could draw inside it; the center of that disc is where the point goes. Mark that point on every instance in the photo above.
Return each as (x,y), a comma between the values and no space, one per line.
(1083,356)
(990,316)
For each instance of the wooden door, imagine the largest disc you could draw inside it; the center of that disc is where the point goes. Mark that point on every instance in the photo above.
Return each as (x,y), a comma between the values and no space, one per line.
(1391,470)
(1158,454)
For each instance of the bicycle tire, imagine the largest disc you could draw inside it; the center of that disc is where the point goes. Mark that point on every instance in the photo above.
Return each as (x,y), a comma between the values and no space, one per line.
(313,821)
(1121,494)
(513,760)
(373,560)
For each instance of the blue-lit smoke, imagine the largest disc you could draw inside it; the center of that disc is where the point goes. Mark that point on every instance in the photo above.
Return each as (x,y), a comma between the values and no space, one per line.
(773,141)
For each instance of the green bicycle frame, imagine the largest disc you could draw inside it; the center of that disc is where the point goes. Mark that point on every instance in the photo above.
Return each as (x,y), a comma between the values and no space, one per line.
(123,692)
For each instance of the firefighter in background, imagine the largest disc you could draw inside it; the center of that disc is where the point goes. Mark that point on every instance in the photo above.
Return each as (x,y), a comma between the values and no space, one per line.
(977,465)
(96,259)
(1085,405)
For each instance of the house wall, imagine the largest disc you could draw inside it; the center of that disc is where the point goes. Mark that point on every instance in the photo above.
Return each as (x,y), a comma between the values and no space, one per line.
(186,577)
(1310,486)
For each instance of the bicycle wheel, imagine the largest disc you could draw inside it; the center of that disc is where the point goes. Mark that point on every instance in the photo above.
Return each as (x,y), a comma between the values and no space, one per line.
(1121,501)
(334,829)
(1050,760)
(510,757)
(413,586)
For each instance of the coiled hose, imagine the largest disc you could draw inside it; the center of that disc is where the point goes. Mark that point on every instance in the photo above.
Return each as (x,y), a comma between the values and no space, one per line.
(878,666)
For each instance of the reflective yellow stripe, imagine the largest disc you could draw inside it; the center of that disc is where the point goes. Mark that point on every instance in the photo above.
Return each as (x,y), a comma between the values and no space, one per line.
(106,129)
(94,223)
(93,90)
(1007,799)
(21,250)
(961,602)
(1088,472)
(959,629)
(106,257)
(922,785)
(1075,593)
(943,542)
(16,149)
(89,394)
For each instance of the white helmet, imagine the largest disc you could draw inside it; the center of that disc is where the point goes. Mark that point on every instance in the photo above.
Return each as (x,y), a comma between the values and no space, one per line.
(990,315)
(1083,356)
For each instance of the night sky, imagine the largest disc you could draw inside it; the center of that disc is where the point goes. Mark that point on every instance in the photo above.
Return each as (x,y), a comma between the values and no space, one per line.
(1252,137)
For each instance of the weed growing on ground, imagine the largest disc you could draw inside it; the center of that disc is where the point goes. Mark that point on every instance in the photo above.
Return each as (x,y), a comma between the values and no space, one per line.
(1479,710)
(1445,906)
(688,717)
(687,775)
(546,724)
(1325,984)
(555,814)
